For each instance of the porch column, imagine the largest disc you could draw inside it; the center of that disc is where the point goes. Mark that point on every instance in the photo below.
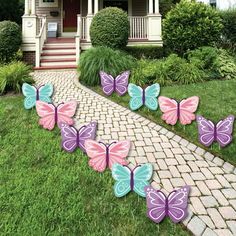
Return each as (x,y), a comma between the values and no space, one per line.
(26,7)
(33,11)
(95,6)
(156,6)
(90,10)
(150,7)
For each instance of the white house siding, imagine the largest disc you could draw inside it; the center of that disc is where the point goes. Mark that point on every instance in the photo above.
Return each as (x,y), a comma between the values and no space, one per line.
(222,4)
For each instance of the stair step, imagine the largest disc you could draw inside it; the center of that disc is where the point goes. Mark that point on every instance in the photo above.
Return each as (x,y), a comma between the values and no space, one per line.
(55,57)
(58,63)
(58,50)
(59,60)
(55,67)
(61,45)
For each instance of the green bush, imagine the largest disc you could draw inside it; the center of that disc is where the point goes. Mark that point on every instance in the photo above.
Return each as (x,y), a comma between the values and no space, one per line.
(13,75)
(190,25)
(168,71)
(146,52)
(229,30)
(111,61)
(10,40)
(110,27)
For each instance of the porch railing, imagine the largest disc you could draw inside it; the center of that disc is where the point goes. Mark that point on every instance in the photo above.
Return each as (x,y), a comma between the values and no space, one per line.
(40,39)
(138,27)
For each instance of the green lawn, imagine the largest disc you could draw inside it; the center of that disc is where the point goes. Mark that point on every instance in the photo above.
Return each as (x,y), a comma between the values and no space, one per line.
(45,191)
(217,100)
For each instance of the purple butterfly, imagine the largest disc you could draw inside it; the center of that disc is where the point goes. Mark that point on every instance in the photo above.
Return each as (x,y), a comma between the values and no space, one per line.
(220,132)
(119,84)
(73,138)
(174,205)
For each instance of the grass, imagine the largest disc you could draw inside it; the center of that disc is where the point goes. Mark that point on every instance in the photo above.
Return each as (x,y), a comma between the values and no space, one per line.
(217,100)
(46,191)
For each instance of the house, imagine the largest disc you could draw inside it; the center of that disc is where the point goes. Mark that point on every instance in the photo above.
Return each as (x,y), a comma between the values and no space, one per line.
(220,4)
(73,19)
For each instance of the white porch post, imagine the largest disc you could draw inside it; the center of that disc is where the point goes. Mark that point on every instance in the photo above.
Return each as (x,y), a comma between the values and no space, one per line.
(154,22)
(156,6)
(151,7)
(89,19)
(26,7)
(95,6)
(33,9)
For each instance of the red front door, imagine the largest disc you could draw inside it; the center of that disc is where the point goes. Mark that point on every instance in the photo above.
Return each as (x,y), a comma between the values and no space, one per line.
(71,8)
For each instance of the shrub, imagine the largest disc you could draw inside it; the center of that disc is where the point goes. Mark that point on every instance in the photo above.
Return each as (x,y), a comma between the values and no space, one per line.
(168,71)
(102,58)
(146,52)
(13,75)
(229,30)
(110,27)
(10,40)
(190,25)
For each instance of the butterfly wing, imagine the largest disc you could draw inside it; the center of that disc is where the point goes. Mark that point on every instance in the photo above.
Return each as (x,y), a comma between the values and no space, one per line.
(177,204)
(87,132)
(107,82)
(156,204)
(122,81)
(30,95)
(151,93)
(47,113)
(205,131)
(122,176)
(97,154)
(136,94)
(187,108)
(169,108)
(65,112)
(142,174)
(45,93)
(118,152)
(69,137)
(224,130)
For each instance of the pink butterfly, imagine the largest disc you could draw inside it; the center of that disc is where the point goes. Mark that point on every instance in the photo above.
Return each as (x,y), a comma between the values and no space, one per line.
(51,114)
(182,111)
(102,155)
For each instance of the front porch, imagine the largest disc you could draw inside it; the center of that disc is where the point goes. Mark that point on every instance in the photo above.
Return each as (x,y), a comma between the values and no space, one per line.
(74,19)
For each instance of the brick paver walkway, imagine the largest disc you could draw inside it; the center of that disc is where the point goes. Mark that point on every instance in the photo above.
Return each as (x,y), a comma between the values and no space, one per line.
(212,205)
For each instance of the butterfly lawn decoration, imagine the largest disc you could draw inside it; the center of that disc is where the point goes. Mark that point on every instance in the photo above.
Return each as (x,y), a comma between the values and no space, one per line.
(174,205)
(131,180)
(221,132)
(105,155)
(182,111)
(73,138)
(52,115)
(33,94)
(140,97)
(118,84)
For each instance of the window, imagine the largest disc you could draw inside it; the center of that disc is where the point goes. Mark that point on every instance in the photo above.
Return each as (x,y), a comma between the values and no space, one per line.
(48,3)
(213,3)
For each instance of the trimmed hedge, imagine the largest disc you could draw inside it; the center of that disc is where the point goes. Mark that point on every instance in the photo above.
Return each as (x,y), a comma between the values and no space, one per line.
(106,59)
(229,30)
(10,40)
(110,28)
(191,25)
(146,52)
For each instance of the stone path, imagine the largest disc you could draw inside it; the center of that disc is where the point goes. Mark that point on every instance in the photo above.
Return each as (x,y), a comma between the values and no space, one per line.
(212,205)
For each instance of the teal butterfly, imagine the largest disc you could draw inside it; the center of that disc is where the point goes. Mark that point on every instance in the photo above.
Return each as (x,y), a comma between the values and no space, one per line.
(140,97)
(33,94)
(131,180)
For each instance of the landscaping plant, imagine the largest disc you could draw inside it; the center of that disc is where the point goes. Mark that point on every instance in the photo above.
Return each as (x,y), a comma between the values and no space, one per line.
(105,59)
(110,27)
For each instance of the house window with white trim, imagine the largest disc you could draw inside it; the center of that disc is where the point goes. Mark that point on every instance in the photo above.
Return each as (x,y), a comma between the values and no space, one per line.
(48,3)
(213,3)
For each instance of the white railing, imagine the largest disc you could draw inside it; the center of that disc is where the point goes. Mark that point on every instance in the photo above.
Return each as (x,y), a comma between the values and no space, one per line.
(138,27)
(40,39)
(83,26)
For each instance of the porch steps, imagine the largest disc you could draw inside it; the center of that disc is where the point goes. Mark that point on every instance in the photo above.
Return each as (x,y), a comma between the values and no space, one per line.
(58,53)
